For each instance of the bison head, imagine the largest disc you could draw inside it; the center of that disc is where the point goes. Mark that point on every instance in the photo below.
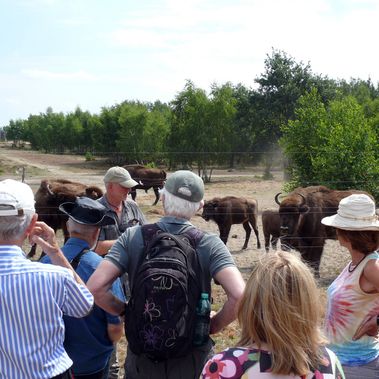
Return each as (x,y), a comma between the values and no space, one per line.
(93,192)
(210,209)
(290,210)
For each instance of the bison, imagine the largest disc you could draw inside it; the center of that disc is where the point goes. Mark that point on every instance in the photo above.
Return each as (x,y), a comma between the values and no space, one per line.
(233,210)
(301,212)
(271,228)
(147,178)
(52,193)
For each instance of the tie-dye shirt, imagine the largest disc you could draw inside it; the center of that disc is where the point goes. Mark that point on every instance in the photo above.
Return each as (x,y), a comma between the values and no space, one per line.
(347,307)
(245,363)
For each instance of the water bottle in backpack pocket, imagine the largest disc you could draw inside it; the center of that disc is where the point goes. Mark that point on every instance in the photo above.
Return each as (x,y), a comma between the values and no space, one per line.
(202,323)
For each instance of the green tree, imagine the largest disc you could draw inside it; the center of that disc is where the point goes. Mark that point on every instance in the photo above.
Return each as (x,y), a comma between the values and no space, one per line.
(133,121)
(188,136)
(16,131)
(202,127)
(273,103)
(334,145)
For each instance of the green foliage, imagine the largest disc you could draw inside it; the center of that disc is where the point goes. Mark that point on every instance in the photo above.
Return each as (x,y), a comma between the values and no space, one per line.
(202,127)
(231,125)
(143,130)
(89,156)
(16,131)
(335,145)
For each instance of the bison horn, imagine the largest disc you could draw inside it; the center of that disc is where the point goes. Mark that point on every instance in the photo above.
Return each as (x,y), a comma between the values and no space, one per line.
(302,196)
(49,190)
(277,198)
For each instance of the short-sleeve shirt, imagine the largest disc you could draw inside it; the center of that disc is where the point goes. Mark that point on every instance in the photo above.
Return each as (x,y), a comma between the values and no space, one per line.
(245,363)
(33,297)
(127,250)
(86,339)
(130,215)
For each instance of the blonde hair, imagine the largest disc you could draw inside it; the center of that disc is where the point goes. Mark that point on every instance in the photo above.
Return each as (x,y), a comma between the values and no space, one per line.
(280,308)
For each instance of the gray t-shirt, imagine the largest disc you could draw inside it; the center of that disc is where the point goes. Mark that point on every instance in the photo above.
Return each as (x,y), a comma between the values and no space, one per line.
(131,215)
(127,250)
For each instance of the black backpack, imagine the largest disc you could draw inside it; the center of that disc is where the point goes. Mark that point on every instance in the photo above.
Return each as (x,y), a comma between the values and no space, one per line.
(161,313)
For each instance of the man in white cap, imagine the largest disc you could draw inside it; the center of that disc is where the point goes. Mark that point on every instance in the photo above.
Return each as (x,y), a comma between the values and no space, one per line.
(34,296)
(182,197)
(124,211)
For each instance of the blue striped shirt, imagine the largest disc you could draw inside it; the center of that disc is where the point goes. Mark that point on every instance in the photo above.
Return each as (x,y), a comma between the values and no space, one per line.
(33,299)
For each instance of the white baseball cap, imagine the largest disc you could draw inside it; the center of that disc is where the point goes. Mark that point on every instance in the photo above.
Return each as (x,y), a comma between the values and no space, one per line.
(16,198)
(120,176)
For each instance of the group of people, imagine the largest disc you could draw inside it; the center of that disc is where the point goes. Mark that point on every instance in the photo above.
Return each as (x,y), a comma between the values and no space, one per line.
(62,317)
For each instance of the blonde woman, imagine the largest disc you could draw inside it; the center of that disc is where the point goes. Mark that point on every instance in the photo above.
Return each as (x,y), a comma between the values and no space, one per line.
(279,316)
(353,298)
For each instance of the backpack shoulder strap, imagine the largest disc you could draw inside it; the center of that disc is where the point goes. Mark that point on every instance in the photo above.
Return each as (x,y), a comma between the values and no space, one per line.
(148,232)
(75,261)
(194,234)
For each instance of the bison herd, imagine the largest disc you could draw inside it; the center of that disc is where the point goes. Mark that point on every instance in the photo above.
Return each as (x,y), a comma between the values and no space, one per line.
(296,223)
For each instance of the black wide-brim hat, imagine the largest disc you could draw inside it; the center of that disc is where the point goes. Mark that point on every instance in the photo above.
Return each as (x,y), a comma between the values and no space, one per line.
(87,212)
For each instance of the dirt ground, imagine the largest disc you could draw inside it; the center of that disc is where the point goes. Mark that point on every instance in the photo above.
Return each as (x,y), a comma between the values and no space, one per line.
(246,183)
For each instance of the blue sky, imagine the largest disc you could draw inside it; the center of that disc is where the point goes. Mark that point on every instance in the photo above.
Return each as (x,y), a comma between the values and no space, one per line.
(94,53)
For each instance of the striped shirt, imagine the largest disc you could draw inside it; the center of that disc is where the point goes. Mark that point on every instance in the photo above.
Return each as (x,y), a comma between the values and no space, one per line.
(33,298)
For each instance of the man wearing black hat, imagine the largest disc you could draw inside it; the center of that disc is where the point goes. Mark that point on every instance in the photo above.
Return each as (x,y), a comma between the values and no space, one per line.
(89,341)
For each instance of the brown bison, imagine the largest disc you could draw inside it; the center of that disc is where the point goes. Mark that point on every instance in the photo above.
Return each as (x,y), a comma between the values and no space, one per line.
(147,178)
(232,210)
(301,212)
(52,193)
(271,228)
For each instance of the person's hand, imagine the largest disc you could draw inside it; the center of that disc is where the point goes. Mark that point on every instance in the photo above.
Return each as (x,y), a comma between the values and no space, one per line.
(368,327)
(45,238)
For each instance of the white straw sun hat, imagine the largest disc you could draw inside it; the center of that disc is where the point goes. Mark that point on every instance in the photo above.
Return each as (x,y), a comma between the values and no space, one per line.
(355,212)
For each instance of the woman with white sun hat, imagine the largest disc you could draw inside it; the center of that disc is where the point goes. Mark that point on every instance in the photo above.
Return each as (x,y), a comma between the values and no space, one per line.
(353,298)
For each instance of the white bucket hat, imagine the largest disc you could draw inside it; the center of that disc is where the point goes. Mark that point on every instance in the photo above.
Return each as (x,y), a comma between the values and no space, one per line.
(355,212)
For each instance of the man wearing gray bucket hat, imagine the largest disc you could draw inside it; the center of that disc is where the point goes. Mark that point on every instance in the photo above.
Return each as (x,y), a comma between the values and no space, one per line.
(34,296)
(182,196)
(353,298)
(89,341)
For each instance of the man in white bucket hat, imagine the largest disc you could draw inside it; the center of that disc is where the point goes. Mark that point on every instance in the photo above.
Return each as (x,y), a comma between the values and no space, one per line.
(353,298)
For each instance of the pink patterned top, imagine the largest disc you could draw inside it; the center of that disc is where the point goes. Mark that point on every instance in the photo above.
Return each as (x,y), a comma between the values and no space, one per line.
(347,306)
(245,363)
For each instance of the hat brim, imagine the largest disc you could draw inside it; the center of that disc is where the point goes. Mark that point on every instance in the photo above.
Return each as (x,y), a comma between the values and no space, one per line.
(66,208)
(129,183)
(339,222)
